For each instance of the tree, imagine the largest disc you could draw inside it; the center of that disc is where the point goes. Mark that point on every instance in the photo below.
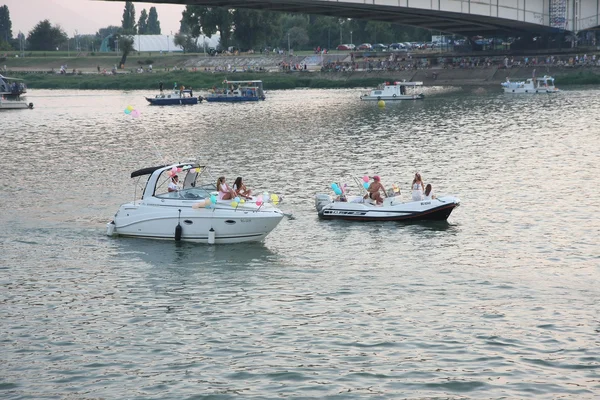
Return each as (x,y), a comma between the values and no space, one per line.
(142,26)
(126,47)
(189,44)
(153,22)
(322,30)
(44,36)
(128,21)
(5,24)
(298,38)
(254,27)
(208,21)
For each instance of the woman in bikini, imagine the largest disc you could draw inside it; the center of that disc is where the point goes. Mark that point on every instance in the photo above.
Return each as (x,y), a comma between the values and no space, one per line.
(374,188)
(225,193)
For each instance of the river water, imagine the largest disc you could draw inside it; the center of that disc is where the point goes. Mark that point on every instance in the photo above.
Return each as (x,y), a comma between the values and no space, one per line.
(500,302)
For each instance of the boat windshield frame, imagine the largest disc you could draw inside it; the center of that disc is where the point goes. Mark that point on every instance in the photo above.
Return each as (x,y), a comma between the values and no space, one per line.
(196,185)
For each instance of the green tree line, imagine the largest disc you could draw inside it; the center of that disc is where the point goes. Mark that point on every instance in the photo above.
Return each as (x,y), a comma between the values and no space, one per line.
(259,29)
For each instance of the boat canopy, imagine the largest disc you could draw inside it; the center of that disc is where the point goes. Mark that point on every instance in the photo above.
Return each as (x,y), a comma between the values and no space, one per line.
(145,171)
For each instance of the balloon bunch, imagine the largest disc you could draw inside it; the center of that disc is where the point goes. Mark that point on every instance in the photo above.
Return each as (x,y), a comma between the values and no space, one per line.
(336,189)
(395,188)
(366,182)
(237,201)
(129,110)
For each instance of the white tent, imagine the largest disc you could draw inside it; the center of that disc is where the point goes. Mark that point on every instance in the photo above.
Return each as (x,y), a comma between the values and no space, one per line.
(166,43)
(155,43)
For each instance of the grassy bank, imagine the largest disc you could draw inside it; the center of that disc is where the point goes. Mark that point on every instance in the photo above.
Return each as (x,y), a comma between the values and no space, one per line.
(272,81)
(578,78)
(197,80)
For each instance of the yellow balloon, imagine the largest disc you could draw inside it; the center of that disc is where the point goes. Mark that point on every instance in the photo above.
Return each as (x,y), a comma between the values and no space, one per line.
(130,108)
(234,204)
(242,201)
(274,199)
(198,170)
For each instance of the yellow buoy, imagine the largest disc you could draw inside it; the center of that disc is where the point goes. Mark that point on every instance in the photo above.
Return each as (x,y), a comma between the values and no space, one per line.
(381,103)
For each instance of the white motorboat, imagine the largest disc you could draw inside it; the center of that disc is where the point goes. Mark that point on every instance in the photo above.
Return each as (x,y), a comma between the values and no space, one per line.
(192,213)
(357,208)
(398,91)
(393,209)
(12,92)
(544,84)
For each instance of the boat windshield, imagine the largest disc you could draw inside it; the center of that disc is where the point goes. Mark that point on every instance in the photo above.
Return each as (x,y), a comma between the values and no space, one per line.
(193,184)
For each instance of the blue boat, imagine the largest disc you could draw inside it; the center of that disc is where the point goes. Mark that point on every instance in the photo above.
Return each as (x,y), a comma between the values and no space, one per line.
(174,97)
(237,91)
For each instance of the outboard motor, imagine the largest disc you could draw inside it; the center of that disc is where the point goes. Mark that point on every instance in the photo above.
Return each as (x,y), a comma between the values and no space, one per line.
(321,200)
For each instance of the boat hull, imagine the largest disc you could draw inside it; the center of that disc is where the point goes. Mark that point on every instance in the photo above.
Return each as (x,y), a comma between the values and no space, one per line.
(529,91)
(172,101)
(427,210)
(14,105)
(160,222)
(397,97)
(230,99)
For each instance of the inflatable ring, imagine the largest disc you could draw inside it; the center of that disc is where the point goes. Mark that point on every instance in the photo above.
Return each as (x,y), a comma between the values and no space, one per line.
(394,95)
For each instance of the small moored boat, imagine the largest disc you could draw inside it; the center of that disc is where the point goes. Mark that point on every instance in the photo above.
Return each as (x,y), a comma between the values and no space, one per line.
(12,92)
(192,213)
(174,97)
(397,91)
(237,91)
(544,84)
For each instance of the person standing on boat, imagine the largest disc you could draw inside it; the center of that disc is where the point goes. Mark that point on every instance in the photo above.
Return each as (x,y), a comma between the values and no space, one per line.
(225,192)
(160,86)
(417,188)
(373,190)
(173,187)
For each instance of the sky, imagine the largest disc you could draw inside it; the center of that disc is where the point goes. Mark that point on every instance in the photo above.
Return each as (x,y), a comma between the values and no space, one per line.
(84,16)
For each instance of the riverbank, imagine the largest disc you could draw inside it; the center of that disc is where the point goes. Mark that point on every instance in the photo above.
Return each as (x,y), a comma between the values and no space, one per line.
(290,80)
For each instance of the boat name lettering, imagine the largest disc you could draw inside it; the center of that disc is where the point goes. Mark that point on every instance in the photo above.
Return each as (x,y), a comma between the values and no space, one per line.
(425,203)
(245,220)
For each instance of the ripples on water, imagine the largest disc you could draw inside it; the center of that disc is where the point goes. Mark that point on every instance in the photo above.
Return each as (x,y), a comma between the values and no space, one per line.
(501,301)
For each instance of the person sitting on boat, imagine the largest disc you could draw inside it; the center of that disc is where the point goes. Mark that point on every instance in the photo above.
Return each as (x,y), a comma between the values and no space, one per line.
(173,187)
(417,188)
(225,192)
(373,190)
(428,194)
(240,188)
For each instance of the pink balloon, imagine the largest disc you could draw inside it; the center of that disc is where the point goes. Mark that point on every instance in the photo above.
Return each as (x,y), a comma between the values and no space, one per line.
(135,113)
(366,178)
(179,169)
(258,203)
(174,170)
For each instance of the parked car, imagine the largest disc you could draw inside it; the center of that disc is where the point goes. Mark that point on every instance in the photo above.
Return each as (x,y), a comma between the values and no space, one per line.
(344,47)
(365,46)
(380,47)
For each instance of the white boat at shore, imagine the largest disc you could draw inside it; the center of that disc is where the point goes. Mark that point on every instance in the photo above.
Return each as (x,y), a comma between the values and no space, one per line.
(396,91)
(192,213)
(12,92)
(544,84)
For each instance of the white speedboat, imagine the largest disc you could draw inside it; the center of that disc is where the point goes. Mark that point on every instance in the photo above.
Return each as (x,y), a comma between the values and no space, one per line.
(544,84)
(12,92)
(192,213)
(397,91)
(393,209)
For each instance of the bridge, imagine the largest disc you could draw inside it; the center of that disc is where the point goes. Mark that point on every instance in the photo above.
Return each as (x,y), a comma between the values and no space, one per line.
(462,17)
